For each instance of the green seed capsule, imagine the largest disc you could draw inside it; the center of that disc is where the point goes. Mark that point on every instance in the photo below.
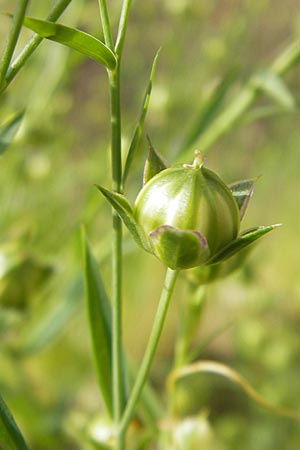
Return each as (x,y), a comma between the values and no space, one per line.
(187,214)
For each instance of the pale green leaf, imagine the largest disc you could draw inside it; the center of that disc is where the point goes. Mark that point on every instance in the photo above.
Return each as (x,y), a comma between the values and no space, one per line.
(9,130)
(10,436)
(85,43)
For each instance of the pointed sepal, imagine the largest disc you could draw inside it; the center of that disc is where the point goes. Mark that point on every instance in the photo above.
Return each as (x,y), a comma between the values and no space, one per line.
(154,163)
(242,241)
(179,249)
(122,206)
(242,192)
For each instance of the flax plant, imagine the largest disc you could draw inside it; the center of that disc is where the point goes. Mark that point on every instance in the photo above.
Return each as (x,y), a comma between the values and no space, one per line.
(184,215)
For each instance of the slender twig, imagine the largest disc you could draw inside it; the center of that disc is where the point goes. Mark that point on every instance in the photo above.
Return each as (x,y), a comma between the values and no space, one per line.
(12,38)
(105,24)
(122,27)
(34,42)
(157,327)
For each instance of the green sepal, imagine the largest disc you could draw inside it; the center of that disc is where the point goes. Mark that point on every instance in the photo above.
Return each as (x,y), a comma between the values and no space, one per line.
(9,130)
(179,249)
(242,241)
(122,206)
(154,163)
(242,192)
(73,38)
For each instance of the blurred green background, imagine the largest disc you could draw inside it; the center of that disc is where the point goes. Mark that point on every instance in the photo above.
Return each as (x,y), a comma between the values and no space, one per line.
(47,191)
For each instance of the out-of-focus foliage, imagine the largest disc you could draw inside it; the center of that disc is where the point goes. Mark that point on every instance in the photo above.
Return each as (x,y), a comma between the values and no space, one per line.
(47,190)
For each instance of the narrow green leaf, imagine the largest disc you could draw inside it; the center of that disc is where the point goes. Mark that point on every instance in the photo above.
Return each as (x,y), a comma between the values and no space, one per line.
(139,126)
(123,208)
(207,113)
(274,86)
(245,239)
(154,163)
(9,130)
(10,436)
(99,316)
(242,192)
(78,40)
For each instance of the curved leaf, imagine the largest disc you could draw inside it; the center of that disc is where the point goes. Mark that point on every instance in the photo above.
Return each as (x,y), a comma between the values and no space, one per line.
(225,371)
(78,40)
(10,435)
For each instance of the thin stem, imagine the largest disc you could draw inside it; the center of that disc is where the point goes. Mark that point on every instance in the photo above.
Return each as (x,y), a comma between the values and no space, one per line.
(117,362)
(12,38)
(34,42)
(157,327)
(122,27)
(105,24)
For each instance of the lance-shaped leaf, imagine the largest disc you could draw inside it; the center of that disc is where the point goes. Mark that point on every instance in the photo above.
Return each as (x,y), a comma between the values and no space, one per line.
(9,130)
(99,316)
(242,192)
(123,208)
(154,163)
(275,87)
(10,436)
(139,126)
(179,249)
(242,241)
(78,40)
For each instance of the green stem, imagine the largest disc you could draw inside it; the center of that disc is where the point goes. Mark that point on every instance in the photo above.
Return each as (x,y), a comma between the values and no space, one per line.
(34,42)
(157,327)
(105,24)
(12,38)
(117,362)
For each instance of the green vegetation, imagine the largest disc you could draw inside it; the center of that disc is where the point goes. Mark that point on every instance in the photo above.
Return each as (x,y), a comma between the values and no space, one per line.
(220,370)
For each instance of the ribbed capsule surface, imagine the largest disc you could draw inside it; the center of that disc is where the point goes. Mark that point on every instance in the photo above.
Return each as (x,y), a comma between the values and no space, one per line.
(189,198)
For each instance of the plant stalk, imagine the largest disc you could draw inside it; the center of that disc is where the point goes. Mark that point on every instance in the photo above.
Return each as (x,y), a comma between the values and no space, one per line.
(117,362)
(12,38)
(157,327)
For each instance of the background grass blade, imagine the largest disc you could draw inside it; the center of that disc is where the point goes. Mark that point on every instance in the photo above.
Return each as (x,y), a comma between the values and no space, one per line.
(10,435)
(99,316)
(139,126)
(9,130)
(78,40)
(275,87)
